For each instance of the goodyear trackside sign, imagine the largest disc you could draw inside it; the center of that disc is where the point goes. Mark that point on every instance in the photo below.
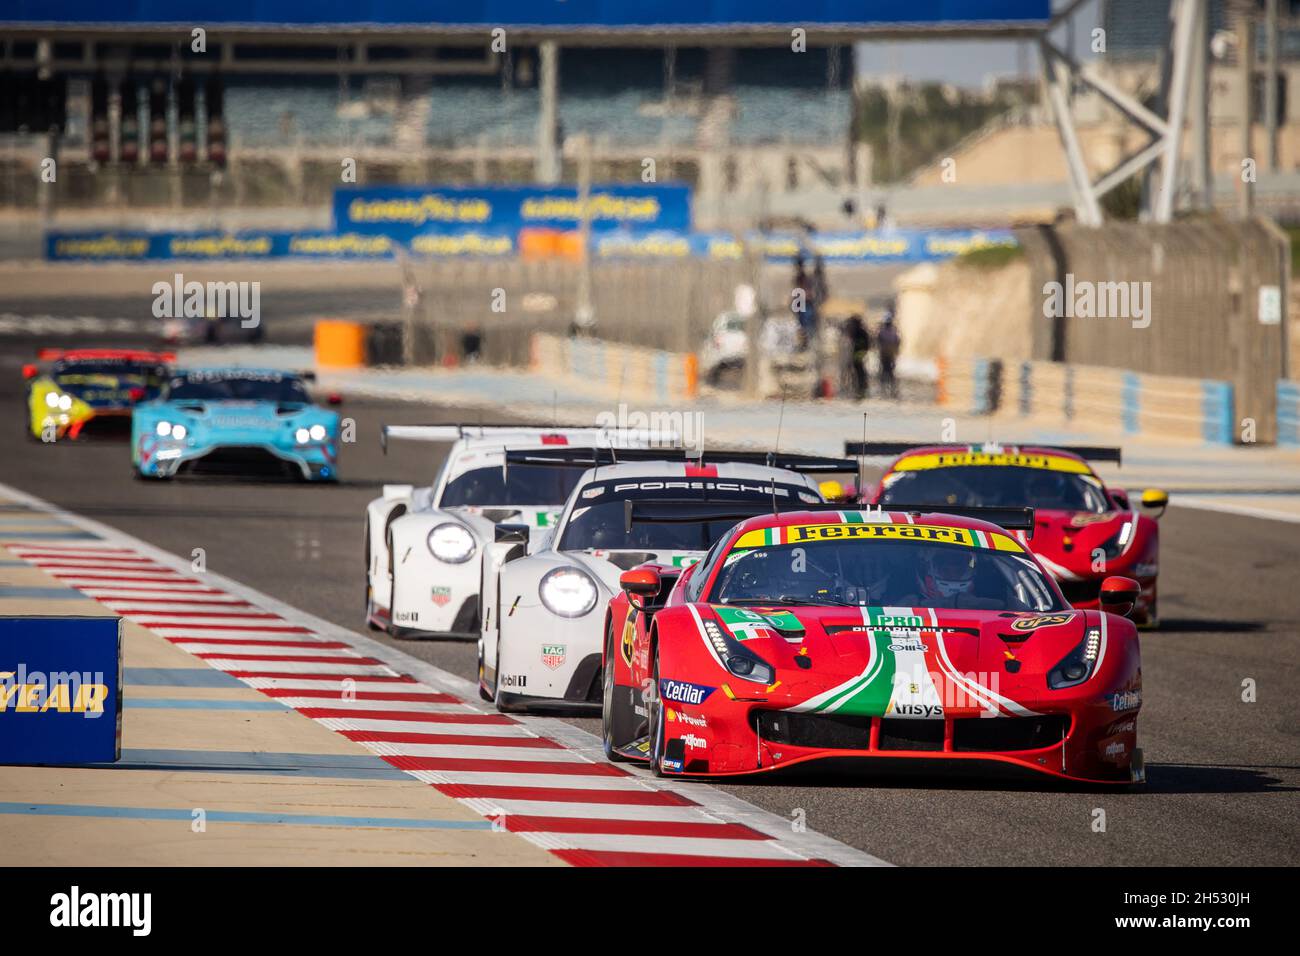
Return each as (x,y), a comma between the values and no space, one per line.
(60,690)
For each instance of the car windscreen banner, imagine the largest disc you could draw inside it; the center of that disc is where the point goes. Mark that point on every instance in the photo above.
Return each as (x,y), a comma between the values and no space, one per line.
(60,690)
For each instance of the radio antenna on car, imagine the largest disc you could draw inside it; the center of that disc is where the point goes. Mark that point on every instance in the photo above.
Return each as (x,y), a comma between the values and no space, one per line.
(862,461)
(776,449)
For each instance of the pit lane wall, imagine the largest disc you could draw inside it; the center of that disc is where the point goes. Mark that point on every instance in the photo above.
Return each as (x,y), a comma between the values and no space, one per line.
(1088,397)
(632,371)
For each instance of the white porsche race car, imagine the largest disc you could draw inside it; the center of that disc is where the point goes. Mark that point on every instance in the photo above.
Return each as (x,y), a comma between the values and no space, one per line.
(544,610)
(423,545)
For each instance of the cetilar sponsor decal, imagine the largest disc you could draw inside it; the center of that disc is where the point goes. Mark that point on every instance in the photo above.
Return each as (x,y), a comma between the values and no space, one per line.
(1125,700)
(683,692)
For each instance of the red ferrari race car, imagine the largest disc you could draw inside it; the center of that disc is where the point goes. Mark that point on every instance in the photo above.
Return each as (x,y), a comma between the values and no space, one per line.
(870,635)
(1085,531)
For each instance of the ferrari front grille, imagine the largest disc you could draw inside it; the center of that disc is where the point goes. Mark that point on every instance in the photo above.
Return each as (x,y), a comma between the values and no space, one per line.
(997,734)
(902,734)
(830,731)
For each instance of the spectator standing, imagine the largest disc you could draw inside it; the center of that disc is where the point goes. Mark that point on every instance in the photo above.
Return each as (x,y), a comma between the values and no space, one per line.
(803,303)
(888,343)
(859,343)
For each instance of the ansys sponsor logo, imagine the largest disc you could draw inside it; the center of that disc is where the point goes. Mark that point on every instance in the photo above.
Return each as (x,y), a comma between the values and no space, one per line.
(682,692)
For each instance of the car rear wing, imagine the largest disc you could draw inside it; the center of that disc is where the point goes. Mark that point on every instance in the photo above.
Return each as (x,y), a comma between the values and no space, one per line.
(670,511)
(556,434)
(689,510)
(1010,519)
(599,457)
(892,449)
(139,355)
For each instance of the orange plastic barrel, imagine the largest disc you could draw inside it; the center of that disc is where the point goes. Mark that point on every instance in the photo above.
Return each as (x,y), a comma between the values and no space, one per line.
(538,243)
(568,245)
(340,344)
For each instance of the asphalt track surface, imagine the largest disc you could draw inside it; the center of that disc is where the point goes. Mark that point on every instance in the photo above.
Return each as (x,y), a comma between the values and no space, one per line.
(1223,773)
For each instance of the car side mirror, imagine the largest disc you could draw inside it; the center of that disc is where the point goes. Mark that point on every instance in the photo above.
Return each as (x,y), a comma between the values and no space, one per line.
(333,398)
(640,582)
(30,372)
(511,534)
(1118,595)
(1154,498)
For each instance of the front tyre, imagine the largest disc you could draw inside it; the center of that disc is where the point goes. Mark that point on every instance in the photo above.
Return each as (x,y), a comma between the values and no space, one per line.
(483,692)
(613,718)
(655,715)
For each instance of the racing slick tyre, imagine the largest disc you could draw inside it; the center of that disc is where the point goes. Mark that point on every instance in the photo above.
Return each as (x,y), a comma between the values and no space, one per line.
(654,706)
(482,688)
(1137,770)
(502,700)
(614,719)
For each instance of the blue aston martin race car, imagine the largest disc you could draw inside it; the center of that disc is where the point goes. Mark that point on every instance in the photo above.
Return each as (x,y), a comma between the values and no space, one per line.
(235,421)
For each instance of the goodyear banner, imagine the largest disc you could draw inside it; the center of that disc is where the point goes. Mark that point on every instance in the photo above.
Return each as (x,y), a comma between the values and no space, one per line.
(881,246)
(890,246)
(111,245)
(60,690)
(406,211)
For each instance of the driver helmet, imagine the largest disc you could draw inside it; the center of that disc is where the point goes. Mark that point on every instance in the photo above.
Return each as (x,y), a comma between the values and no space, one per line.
(947,572)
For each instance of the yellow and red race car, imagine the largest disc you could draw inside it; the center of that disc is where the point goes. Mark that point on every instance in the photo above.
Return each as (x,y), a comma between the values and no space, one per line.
(1085,530)
(76,393)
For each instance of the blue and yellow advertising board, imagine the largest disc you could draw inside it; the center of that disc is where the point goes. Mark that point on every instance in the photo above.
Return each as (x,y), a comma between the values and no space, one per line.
(60,690)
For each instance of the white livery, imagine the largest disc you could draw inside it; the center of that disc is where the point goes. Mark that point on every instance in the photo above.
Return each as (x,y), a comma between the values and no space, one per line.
(544,610)
(424,545)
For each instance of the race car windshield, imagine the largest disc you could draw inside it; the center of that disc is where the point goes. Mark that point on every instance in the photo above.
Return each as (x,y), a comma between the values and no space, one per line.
(599,518)
(996,486)
(251,388)
(520,485)
(884,573)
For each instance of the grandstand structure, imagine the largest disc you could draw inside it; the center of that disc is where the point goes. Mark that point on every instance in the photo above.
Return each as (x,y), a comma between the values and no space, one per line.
(740,100)
(754,105)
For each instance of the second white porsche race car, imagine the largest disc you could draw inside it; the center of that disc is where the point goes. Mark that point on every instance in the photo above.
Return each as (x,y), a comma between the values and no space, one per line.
(544,608)
(423,545)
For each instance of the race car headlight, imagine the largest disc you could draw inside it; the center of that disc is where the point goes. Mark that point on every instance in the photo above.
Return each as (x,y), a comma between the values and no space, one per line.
(302,436)
(52,399)
(451,543)
(163,429)
(179,432)
(568,592)
(1077,666)
(1114,545)
(736,658)
(317,432)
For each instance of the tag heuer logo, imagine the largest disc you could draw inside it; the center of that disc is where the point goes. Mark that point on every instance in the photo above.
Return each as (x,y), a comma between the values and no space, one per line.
(441,596)
(553,655)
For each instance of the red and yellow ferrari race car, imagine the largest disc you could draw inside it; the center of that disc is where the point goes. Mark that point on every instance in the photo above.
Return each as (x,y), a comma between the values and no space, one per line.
(1085,531)
(871,635)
